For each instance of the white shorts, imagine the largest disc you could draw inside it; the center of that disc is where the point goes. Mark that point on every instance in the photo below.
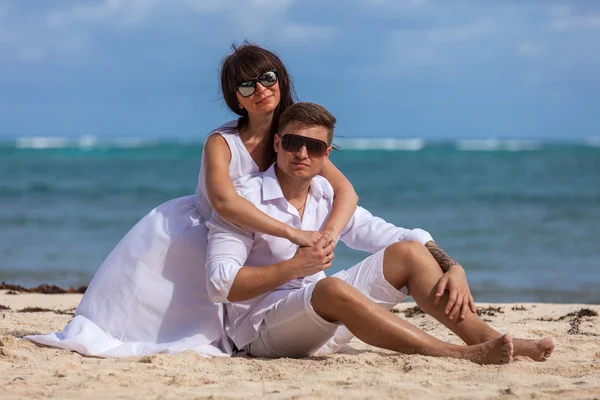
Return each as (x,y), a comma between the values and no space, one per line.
(292,328)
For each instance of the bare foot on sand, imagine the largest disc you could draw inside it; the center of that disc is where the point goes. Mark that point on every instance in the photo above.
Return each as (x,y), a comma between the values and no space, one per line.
(536,349)
(495,351)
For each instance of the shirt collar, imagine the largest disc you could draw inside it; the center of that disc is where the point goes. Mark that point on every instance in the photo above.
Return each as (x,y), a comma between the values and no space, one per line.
(271,189)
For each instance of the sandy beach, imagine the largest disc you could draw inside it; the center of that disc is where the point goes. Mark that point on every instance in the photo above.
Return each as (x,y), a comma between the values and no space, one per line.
(358,371)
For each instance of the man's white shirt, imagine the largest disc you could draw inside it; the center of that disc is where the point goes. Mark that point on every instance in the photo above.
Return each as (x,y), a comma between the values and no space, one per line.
(230,247)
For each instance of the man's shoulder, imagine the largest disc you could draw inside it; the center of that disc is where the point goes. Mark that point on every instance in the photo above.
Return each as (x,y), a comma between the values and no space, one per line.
(250,185)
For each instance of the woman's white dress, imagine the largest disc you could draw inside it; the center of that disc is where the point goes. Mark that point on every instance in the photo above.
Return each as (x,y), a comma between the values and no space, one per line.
(150,295)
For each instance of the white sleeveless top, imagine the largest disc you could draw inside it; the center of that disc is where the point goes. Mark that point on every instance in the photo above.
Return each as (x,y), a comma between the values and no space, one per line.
(149,295)
(241,165)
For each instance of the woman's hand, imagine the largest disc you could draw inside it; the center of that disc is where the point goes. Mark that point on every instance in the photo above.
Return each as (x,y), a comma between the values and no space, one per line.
(332,234)
(304,238)
(309,260)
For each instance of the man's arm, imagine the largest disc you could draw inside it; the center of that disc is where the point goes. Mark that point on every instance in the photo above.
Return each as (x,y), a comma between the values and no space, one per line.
(455,281)
(228,280)
(251,282)
(369,233)
(443,259)
(227,250)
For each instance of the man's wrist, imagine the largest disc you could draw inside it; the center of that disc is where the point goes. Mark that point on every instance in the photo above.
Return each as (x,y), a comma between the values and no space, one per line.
(454,267)
(287,269)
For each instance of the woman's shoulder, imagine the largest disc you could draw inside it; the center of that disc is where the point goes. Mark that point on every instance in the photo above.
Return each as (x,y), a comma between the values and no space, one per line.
(223,135)
(228,128)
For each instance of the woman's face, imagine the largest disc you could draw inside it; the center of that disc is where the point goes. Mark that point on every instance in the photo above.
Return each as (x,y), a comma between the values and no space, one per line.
(263,101)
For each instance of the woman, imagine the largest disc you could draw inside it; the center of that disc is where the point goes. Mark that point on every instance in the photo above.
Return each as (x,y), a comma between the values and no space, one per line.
(149,295)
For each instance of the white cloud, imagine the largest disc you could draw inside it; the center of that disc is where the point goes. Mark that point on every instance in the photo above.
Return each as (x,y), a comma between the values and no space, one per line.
(579,22)
(529,49)
(261,20)
(75,27)
(125,12)
(469,31)
(563,18)
(205,6)
(28,40)
(421,52)
(299,33)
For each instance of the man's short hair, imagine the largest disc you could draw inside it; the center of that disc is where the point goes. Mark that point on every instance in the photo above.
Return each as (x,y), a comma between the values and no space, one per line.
(308,114)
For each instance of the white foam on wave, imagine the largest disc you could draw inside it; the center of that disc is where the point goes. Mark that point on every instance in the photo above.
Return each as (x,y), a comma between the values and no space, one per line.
(84,142)
(593,141)
(87,141)
(521,145)
(40,142)
(497,145)
(132,142)
(478,145)
(381,144)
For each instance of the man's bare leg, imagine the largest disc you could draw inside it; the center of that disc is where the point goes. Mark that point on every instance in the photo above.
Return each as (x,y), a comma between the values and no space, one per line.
(411,264)
(335,300)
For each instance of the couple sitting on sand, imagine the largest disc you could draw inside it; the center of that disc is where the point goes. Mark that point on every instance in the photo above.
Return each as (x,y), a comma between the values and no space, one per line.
(248,276)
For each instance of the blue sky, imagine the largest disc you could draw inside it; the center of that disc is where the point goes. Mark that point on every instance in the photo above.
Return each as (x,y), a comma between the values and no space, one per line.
(430,69)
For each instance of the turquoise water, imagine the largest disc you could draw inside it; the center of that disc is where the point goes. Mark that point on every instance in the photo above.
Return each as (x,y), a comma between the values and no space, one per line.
(522,218)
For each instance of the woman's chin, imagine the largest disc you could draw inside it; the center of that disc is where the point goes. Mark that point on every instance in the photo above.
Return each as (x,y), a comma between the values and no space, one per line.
(264,110)
(269,106)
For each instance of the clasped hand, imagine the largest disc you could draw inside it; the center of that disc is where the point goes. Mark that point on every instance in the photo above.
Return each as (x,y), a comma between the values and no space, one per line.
(317,257)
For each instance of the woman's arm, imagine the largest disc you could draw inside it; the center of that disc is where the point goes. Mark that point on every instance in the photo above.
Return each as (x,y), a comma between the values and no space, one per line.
(225,200)
(344,202)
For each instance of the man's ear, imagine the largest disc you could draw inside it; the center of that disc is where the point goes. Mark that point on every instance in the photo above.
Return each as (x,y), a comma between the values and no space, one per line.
(276,142)
(328,152)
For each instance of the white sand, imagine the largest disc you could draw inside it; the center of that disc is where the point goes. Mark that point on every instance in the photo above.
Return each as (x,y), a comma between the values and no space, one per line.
(359,371)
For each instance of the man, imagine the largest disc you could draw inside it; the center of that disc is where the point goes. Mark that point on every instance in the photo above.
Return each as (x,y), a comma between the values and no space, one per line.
(280,303)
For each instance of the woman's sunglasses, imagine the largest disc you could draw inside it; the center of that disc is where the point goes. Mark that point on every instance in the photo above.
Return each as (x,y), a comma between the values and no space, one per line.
(293,144)
(248,88)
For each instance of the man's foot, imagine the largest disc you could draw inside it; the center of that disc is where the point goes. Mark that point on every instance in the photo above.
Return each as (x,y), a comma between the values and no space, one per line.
(537,350)
(495,351)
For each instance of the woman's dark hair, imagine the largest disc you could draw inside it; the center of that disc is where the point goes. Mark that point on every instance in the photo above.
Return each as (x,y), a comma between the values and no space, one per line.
(245,63)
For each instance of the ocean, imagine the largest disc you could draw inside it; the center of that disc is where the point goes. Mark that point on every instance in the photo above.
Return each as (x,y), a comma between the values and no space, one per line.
(522,217)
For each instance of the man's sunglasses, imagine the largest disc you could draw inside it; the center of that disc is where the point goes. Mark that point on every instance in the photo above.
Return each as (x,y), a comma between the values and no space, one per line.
(248,88)
(293,144)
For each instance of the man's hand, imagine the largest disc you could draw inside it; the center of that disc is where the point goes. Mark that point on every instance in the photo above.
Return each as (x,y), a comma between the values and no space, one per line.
(312,259)
(304,238)
(455,281)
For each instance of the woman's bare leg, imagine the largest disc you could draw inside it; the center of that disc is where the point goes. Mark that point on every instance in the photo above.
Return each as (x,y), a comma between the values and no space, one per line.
(335,300)
(410,264)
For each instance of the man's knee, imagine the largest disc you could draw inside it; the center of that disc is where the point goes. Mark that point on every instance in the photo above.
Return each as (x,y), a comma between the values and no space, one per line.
(331,288)
(407,250)
(329,294)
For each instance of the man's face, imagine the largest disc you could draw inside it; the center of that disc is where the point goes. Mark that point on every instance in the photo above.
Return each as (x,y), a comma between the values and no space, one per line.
(300,164)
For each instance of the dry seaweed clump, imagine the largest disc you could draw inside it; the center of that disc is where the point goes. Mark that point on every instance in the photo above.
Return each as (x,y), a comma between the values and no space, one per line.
(491,311)
(40,309)
(519,308)
(413,312)
(34,309)
(43,288)
(577,319)
(584,312)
